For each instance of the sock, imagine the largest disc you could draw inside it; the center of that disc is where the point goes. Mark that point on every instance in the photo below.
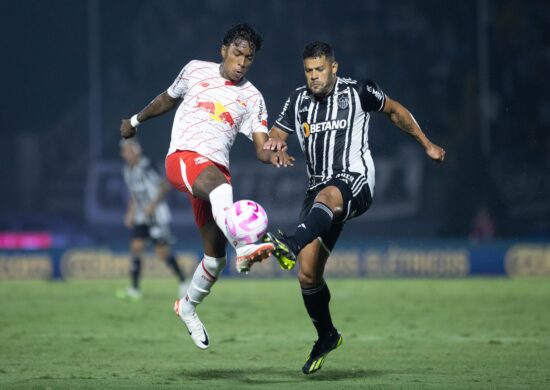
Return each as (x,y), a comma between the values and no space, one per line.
(221,199)
(317,222)
(135,271)
(205,276)
(173,264)
(316,300)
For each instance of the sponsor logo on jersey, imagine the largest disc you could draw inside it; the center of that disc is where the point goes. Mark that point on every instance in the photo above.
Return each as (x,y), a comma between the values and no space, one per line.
(345,177)
(261,112)
(241,102)
(376,93)
(217,111)
(324,126)
(305,129)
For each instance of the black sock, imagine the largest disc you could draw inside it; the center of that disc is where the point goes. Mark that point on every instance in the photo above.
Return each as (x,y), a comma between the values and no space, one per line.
(316,300)
(135,271)
(173,264)
(317,222)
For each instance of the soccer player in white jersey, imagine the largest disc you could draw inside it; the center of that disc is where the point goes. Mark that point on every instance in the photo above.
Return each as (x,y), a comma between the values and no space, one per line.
(147,215)
(330,116)
(216,103)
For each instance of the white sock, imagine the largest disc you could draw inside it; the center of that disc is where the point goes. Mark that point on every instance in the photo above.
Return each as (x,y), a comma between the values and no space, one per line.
(221,199)
(205,276)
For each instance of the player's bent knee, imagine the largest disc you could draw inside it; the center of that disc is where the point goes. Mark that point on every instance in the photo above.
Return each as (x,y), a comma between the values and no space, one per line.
(209,179)
(307,280)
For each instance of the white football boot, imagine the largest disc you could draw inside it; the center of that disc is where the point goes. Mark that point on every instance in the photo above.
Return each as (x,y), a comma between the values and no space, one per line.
(252,253)
(196,329)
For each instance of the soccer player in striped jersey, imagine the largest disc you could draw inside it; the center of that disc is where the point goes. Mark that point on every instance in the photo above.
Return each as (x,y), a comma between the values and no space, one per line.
(330,116)
(216,102)
(147,215)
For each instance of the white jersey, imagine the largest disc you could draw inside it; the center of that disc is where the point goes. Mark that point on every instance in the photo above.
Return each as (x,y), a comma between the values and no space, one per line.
(213,111)
(144,185)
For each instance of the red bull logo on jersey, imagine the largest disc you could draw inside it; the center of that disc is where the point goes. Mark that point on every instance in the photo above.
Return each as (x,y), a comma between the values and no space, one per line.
(323,126)
(217,111)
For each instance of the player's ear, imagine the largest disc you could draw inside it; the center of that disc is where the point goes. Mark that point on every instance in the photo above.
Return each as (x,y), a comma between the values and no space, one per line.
(223,51)
(334,68)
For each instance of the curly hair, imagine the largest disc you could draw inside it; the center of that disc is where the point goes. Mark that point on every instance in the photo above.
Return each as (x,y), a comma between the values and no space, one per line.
(245,32)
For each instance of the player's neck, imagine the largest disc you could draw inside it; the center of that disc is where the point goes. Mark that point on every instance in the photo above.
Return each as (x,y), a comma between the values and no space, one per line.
(329,92)
(224,75)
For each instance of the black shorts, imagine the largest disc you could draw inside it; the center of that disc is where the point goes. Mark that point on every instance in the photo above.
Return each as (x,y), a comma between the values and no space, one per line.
(158,234)
(354,206)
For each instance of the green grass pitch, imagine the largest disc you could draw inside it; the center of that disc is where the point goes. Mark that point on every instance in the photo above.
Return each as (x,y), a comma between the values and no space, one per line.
(415,333)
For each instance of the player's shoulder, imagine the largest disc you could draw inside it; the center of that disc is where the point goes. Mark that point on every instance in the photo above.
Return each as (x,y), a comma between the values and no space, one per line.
(194,65)
(297,92)
(247,89)
(362,85)
(347,81)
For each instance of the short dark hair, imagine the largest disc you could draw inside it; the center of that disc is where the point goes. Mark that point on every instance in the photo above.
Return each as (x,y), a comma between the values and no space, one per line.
(245,32)
(318,49)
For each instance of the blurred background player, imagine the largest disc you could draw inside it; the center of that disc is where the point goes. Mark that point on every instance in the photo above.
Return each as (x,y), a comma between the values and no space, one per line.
(217,103)
(331,116)
(147,215)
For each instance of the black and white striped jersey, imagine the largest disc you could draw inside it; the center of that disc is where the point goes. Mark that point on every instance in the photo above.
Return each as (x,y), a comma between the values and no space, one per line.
(333,130)
(144,184)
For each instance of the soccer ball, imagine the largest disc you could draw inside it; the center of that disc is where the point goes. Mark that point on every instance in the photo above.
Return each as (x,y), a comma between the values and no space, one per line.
(245,222)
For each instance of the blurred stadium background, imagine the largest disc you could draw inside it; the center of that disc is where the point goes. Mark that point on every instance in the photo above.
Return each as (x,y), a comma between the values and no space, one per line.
(472,72)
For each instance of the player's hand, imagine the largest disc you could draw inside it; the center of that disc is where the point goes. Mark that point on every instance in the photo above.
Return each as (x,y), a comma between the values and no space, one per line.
(126,129)
(275,145)
(282,159)
(436,153)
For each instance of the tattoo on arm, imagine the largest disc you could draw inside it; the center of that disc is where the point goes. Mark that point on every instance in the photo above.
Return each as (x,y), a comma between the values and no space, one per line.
(404,122)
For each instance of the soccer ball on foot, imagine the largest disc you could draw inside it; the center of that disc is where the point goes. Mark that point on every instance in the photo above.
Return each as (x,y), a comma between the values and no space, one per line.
(245,222)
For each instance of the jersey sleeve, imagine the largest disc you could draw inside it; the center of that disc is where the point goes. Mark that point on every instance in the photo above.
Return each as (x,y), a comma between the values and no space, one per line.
(372,97)
(180,86)
(287,118)
(255,120)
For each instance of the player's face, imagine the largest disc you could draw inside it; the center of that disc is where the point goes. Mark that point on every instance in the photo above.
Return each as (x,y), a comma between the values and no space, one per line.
(129,154)
(237,58)
(320,74)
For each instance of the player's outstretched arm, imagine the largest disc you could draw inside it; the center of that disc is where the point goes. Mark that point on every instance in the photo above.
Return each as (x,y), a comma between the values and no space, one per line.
(274,157)
(402,118)
(160,105)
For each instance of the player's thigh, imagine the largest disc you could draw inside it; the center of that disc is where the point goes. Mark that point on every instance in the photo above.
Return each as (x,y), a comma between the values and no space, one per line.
(213,240)
(210,178)
(356,198)
(137,246)
(333,198)
(312,258)
(162,250)
(195,174)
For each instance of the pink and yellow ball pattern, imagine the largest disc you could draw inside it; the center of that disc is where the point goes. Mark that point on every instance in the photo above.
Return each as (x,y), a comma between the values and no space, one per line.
(246,222)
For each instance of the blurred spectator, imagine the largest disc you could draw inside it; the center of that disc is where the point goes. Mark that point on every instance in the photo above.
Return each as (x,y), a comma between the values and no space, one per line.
(483,226)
